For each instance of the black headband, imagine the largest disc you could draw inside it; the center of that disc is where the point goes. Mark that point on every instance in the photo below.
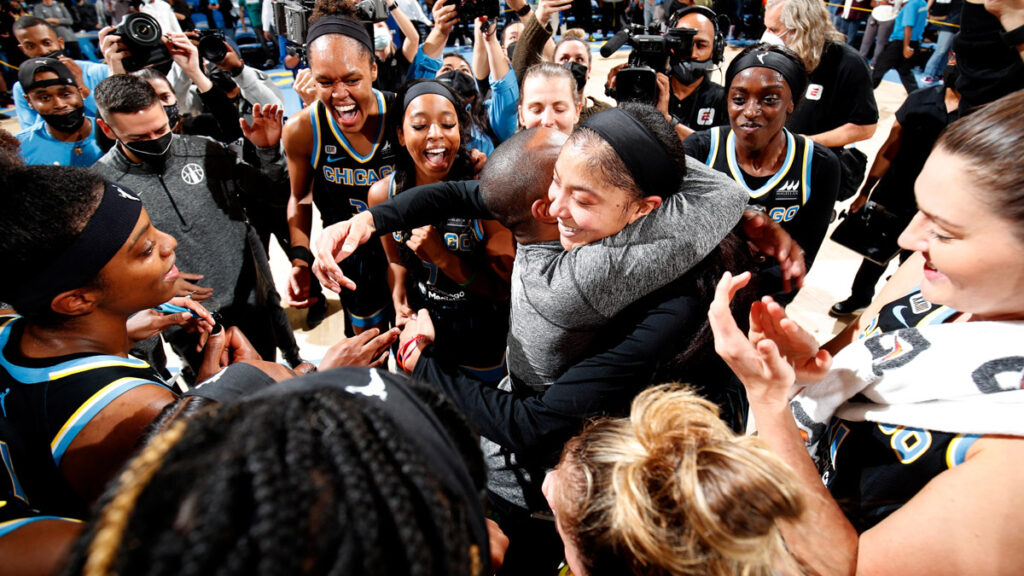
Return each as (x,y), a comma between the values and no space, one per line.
(645,156)
(106,232)
(392,394)
(332,24)
(428,87)
(790,70)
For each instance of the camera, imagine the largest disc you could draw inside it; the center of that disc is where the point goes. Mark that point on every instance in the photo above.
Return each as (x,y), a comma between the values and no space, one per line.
(651,54)
(470,10)
(212,47)
(291,17)
(142,34)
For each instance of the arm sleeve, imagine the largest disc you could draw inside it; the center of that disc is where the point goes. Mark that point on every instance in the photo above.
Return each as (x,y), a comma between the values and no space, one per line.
(811,222)
(530,48)
(423,66)
(503,110)
(605,383)
(595,282)
(422,205)
(217,104)
(257,88)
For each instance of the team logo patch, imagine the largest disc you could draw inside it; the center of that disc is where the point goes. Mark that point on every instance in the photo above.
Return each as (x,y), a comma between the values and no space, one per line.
(330,149)
(814,91)
(192,173)
(706,116)
(789,190)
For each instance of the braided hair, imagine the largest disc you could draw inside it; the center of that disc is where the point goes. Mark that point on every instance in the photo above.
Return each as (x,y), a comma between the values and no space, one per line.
(314,481)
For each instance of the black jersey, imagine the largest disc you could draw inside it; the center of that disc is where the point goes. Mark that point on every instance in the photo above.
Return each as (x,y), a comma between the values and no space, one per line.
(343,176)
(44,404)
(874,468)
(799,196)
(476,324)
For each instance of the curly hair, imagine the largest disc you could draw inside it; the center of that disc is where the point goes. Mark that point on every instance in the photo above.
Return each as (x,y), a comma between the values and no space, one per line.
(43,209)
(672,491)
(811,25)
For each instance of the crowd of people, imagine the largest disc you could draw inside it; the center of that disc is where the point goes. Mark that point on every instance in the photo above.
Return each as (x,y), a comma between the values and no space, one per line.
(566,342)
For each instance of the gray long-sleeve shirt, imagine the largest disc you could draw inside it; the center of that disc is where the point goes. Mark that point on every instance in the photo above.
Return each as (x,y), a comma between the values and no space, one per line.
(196,198)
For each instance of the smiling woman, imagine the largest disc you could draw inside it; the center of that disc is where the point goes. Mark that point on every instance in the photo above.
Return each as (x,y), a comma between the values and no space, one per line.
(457,268)
(794,179)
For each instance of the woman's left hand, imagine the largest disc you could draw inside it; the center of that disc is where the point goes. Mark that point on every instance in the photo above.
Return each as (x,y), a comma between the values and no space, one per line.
(427,244)
(765,374)
(149,323)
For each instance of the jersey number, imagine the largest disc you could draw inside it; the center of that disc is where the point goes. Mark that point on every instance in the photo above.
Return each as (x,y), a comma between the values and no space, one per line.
(359,206)
(908,443)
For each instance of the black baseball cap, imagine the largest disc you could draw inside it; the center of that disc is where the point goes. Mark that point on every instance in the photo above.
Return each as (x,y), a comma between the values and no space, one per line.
(32,66)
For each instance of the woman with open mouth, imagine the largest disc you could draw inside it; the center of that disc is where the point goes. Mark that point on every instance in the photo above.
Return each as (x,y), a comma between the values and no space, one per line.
(458,269)
(792,178)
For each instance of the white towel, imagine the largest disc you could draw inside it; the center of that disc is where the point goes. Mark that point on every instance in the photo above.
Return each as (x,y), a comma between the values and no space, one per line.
(961,378)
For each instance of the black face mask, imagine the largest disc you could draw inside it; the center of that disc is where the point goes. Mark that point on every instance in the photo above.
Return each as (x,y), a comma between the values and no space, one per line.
(689,71)
(463,84)
(66,123)
(55,54)
(950,76)
(579,72)
(511,48)
(151,151)
(172,115)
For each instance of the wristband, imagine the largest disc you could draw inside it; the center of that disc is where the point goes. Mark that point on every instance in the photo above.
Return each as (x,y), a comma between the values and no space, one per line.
(1014,37)
(301,253)
(404,351)
(673,121)
(524,10)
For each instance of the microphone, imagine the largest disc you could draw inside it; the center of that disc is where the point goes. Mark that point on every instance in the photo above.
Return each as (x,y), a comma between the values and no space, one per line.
(612,46)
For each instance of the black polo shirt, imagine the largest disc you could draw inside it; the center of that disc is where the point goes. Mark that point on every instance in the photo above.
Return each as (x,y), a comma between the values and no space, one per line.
(702,109)
(839,92)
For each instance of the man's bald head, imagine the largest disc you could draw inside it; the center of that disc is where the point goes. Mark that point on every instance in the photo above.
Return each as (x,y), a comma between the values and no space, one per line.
(518,174)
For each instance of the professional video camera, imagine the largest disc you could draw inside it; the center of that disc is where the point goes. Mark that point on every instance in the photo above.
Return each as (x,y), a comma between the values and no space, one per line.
(652,53)
(142,34)
(291,18)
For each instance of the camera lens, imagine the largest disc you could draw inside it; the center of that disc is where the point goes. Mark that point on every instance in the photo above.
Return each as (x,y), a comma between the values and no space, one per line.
(213,49)
(143,29)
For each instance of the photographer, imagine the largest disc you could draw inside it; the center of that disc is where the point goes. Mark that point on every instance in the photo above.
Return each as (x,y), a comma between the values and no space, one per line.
(393,64)
(689,99)
(571,51)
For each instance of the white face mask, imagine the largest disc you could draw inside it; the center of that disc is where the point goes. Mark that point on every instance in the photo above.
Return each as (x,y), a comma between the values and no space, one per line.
(769,38)
(381,38)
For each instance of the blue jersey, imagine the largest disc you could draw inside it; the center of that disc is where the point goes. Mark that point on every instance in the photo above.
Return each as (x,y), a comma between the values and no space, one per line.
(92,74)
(38,146)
